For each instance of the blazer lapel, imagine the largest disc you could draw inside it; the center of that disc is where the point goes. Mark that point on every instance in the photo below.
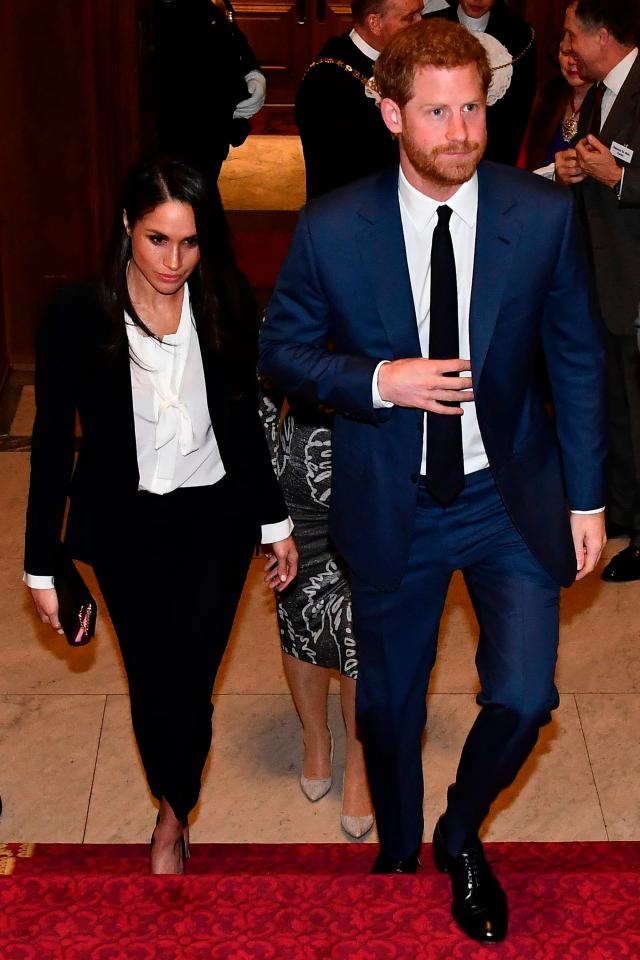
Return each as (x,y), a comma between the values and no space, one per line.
(496,236)
(381,244)
(383,255)
(622,116)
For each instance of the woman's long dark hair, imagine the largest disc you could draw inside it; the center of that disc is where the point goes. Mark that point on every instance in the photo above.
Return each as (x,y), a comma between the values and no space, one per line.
(213,286)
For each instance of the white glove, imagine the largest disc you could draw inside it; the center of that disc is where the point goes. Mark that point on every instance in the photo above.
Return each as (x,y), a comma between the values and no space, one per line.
(257,86)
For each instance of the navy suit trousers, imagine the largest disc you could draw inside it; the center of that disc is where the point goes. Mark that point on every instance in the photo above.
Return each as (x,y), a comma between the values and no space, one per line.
(517,606)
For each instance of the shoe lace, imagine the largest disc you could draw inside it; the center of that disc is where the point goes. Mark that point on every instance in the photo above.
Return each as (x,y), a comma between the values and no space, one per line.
(475,867)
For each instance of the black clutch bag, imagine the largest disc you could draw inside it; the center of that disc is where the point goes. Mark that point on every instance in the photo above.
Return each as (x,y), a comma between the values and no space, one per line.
(77,610)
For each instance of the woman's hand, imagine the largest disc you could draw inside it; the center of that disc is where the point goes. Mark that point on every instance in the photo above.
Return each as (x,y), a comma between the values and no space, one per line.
(46,604)
(282,563)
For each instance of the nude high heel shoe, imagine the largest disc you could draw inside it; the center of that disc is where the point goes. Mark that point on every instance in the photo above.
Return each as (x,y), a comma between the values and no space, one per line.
(313,789)
(356,828)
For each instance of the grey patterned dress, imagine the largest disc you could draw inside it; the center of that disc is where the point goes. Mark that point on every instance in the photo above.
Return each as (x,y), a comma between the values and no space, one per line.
(314,613)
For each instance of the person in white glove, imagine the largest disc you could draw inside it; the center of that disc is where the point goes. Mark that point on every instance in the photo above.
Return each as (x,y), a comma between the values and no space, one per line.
(207,82)
(257,87)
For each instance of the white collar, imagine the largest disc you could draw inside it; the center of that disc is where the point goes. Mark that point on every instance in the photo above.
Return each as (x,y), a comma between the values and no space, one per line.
(616,78)
(474,24)
(363,46)
(422,208)
(432,6)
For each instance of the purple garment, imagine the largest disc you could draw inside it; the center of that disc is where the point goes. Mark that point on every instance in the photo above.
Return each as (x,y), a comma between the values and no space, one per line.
(559,143)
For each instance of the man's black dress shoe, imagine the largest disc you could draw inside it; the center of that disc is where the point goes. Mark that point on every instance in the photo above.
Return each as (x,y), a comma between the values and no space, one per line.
(385,864)
(625,566)
(479,905)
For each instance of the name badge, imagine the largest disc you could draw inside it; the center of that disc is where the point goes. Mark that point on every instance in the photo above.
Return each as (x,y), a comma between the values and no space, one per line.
(621,153)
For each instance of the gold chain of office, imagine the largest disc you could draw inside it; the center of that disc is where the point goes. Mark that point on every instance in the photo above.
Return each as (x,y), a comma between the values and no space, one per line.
(340,63)
(368,81)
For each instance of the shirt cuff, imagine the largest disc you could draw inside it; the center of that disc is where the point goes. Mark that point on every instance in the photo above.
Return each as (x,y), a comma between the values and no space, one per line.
(272,532)
(37,582)
(587,513)
(378,402)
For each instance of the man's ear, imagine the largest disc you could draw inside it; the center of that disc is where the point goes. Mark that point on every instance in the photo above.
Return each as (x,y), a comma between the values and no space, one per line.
(392,115)
(372,21)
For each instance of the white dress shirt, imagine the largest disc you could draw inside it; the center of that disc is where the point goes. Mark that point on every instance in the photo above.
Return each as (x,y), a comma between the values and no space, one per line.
(613,83)
(175,442)
(419,218)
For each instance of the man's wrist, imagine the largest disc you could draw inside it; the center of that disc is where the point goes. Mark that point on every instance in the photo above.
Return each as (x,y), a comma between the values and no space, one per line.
(617,179)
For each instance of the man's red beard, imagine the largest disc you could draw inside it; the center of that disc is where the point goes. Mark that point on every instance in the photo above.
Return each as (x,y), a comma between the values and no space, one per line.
(450,174)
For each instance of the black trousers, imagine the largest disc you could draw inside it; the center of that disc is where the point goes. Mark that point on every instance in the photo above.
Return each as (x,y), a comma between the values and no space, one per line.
(623,398)
(172,585)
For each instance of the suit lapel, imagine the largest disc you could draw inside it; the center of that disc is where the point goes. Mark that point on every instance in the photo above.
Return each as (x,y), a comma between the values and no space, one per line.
(384,260)
(623,112)
(496,236)
(383,255)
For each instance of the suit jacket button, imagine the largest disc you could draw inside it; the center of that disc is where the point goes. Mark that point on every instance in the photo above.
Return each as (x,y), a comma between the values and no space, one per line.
(414,477)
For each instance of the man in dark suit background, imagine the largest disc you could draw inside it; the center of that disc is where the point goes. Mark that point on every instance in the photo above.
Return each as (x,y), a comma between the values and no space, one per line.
(342,133)
(394,285)
(507,119)
(206,81)
(605,167)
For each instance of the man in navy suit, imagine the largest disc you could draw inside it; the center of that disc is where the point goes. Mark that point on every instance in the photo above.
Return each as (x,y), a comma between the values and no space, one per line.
(407,298)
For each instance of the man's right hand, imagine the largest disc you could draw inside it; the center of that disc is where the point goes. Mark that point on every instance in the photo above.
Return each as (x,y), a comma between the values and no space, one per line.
(46,604)
(568,169)
(422,384)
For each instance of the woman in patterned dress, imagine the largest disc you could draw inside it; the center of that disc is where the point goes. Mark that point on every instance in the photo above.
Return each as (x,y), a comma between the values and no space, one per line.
(314,613)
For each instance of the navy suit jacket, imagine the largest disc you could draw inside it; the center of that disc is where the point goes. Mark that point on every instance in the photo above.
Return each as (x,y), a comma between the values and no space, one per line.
(343,302)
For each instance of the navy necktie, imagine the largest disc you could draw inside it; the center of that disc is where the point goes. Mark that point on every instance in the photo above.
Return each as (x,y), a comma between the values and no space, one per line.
(445,464)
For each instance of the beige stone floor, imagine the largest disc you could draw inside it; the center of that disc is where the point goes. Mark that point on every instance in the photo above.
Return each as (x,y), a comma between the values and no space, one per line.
(69,769)
(264,173)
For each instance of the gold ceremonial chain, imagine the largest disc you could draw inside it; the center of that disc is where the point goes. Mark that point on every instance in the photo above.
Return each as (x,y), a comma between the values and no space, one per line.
(340,63)
(223,8)
(509,63)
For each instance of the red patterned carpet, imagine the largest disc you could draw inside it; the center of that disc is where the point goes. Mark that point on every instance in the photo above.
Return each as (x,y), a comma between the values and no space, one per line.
(308,902)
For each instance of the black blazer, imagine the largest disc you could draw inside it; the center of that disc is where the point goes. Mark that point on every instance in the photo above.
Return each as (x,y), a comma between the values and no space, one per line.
(613,225)
(75,372)
(508,118)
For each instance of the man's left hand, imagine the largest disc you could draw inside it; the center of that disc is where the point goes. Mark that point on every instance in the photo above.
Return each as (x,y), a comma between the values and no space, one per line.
(597,161)
(589,539)
(282,563)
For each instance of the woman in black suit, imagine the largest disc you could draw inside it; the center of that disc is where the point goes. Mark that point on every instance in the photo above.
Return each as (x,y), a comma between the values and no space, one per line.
(173,481)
